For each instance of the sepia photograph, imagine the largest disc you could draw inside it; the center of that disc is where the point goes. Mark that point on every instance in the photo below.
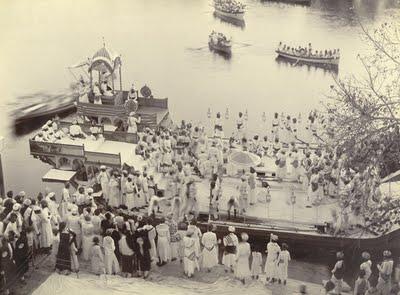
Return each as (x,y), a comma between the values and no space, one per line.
(192,147)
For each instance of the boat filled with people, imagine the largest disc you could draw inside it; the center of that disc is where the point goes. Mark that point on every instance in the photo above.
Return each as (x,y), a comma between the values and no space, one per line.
(308,55)
(229,8)
(219,42)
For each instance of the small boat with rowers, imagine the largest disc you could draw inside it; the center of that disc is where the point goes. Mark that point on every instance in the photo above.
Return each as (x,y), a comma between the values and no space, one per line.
(306,55)
(229,9)
(219,42)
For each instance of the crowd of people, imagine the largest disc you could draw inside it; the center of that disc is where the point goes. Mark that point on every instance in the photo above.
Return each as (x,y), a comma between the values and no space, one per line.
(110,241)
(301,151)
(230,6)
(182,156)
(308,51)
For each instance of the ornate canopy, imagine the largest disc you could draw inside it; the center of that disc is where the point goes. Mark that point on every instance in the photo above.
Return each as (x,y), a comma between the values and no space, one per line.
(103,61)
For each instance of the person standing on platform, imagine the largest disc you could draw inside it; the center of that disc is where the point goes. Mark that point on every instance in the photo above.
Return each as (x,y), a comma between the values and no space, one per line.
(281,163)
(240,127)
(283,264)
(124,180)
(385,273)
(191,203)
(114,191)
(244,189)
(210,250)
(104,178)
(145,187)
(130,192)
(230,243)
(132,123)
(275,126)
(132,94)
(214,200)
(242,259)
(218,129)
(252,185)
(233,203)
(271,264)
(65,199)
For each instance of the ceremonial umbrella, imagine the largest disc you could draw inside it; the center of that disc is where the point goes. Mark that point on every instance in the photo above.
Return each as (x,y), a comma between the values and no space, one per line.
(242,159)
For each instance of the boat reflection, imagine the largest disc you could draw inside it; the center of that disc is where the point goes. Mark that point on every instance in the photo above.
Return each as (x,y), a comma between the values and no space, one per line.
(225,55)
(330,68)
(235,22)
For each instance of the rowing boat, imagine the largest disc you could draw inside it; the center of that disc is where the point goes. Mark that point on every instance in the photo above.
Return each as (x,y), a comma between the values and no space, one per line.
(309,59)
(227,14)
(220,43)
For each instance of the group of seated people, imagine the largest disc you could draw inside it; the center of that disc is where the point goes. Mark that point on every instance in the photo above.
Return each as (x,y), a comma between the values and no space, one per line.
(308,51)
(51,132)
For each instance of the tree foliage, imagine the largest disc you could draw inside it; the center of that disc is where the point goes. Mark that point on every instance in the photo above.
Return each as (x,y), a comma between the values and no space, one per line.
(364,109)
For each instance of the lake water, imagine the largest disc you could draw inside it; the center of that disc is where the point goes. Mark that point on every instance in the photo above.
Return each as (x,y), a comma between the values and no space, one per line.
(164,44)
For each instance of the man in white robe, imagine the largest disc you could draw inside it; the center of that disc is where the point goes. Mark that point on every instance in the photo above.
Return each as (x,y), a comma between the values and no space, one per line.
(210,250)
(271,264)
(103,178)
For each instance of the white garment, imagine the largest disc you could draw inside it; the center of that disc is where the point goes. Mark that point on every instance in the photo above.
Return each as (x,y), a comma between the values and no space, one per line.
(190,255)
(103,178)
(283,263)
(114,193)
(271,264)
(366,266)
(256,267)
(130,196)
(242,265)
(46,232)
(163,242)
(210,250)
(87,239)
(132,124)
(110,260)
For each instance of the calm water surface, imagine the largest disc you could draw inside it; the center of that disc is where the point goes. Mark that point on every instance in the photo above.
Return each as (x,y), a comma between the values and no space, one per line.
(164,44)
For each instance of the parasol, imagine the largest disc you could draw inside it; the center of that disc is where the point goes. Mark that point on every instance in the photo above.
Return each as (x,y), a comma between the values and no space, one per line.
(243,159)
